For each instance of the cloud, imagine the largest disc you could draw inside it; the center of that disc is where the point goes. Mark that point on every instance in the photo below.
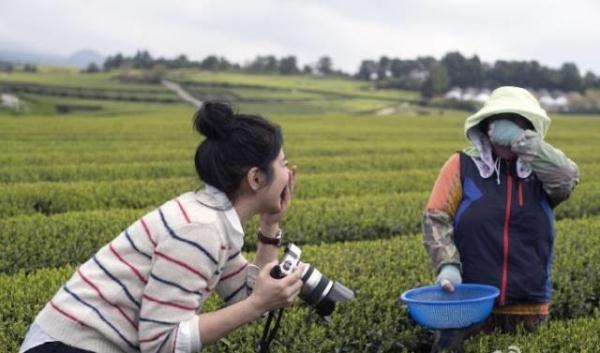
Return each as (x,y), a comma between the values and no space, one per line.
(551,32)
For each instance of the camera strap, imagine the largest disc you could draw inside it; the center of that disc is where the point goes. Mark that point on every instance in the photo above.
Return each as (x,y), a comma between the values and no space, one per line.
(269,334)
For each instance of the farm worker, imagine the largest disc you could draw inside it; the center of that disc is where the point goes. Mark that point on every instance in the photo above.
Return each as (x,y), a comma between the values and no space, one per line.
(142,291)
(489,219)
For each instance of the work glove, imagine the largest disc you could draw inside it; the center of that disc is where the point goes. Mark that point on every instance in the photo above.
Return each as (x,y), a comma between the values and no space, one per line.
(448,277)
(504,132)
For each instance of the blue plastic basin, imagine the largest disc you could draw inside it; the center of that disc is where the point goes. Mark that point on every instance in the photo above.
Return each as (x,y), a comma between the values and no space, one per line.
(434,308)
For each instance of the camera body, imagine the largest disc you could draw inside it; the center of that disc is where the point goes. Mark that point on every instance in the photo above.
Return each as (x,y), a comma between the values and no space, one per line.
(317,290)
(289,262)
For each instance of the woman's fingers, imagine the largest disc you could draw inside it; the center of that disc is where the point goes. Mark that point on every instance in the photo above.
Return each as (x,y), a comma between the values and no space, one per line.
(293,291)
(292,278)
(278,292)
(447,285)
(298,287)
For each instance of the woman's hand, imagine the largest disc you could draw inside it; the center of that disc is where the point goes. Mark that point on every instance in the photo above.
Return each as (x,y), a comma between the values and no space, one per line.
(270,293)
(448,277)
(269,222)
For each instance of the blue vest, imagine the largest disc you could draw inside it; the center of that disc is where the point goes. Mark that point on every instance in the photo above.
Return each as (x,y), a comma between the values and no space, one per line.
(505,233)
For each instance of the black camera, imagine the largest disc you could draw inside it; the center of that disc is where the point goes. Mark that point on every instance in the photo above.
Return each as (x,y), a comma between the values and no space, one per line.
(317,290)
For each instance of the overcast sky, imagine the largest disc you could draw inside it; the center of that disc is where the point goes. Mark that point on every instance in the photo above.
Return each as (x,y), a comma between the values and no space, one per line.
(549,31)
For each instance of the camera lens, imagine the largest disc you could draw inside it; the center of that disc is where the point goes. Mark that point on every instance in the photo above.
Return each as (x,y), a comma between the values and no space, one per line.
(321,293)
(325,308)
(315,286)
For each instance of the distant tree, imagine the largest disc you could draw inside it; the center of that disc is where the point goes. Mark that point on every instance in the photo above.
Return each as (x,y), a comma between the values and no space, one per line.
(142,60)
(325,65)
(288,66)
(263,64)
(210,63)
(214,63)
(426,63)
(474,72)
(113,62)
(368,70)
(463,72)
(224,64)
(307,70)
(536,75)
(6,67)
(552,78)
(181,61)
(455,64)
(503,73)
(570,78)
(400,69)
(532,74)
(591,80)
(270,64)
(30,68)
(436,83)
(92,68)
(383,68)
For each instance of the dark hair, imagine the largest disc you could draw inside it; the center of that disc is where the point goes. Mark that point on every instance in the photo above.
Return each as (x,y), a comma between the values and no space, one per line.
(234,143)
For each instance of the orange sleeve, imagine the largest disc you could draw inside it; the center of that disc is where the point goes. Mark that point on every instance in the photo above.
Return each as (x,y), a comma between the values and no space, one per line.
(447,190)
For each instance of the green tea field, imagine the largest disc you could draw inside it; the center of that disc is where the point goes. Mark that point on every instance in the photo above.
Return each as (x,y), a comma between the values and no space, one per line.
(92,153)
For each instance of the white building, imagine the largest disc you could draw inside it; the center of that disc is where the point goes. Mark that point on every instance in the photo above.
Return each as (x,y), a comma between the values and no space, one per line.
(468,94)
(554,102)
(454,93)
(551,101)
(11,101)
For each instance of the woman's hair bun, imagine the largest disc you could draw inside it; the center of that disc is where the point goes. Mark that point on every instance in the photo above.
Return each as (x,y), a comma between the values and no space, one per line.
(215,120)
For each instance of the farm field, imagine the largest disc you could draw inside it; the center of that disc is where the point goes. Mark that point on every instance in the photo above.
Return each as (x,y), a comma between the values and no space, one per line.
(71,180)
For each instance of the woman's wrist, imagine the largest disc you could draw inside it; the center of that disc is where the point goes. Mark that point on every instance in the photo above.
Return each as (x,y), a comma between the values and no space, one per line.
(274,240)
(255,307)
(269,230)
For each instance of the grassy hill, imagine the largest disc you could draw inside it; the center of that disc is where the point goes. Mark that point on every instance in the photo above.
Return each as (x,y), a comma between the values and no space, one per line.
(71,180)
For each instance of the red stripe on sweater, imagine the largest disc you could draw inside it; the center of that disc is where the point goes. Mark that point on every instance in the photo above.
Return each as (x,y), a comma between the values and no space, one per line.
(178,306)
(150,339)
(234,273)
(67,314)
(185,215)
(147,232)
(137,273)
(182,264)
(88,281)
(520,193)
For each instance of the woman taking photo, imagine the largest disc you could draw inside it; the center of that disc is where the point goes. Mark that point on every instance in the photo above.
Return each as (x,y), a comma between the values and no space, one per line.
(142,291)
(489,218)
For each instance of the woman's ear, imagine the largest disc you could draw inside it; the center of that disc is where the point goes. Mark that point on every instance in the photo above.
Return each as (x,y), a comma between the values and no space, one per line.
(256,178)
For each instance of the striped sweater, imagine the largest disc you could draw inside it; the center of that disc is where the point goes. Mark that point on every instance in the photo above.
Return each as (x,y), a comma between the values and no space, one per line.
(138,291)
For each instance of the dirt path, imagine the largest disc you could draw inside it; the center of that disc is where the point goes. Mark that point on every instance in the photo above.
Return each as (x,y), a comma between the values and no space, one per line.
(181,93)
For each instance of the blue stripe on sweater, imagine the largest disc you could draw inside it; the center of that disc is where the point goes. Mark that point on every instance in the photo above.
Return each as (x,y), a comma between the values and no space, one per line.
(135,247)
(117,281)
(233,256)
(194,244)
(230,296)
(162,280)
(164,341)
(101,317)
(157,321)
